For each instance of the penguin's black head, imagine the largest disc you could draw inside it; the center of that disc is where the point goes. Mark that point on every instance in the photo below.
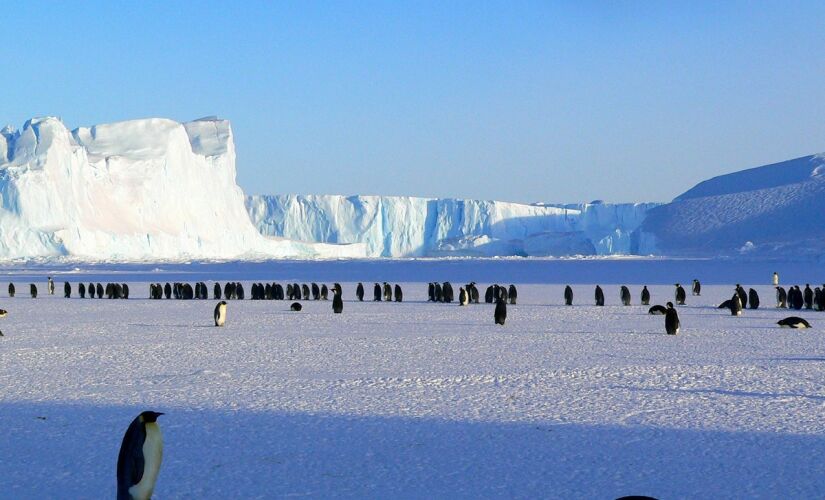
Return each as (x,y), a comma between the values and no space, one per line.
(223,302)
(150,416)
(670,305)
(676,284)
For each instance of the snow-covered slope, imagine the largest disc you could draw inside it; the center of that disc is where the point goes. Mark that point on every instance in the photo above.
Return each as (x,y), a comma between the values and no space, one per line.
(394,226)
(772,211)
(141,189)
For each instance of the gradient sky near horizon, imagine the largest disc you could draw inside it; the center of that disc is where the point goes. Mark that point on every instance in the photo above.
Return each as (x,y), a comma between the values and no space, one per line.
(519,101)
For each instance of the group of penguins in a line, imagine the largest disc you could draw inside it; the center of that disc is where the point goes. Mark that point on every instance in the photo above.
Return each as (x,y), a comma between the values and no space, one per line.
(111,291)
(468,294)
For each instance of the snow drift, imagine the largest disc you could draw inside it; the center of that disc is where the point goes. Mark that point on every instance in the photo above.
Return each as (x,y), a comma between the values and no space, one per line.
(395,226)
(768,211)
(141,189)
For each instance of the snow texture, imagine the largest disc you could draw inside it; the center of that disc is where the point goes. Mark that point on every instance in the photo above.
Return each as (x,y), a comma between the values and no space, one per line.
(414,399)
(149,189)
(396,226)
(766,211)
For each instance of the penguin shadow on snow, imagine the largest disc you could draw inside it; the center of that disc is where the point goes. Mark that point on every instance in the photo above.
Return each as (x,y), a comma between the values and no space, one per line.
(725,392)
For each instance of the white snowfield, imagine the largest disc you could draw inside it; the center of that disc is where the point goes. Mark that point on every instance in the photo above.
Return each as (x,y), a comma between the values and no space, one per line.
(151,189)
(414,399)
(400,226)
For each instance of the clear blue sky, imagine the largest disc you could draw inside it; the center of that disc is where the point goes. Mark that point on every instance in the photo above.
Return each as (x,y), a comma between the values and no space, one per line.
(522,101)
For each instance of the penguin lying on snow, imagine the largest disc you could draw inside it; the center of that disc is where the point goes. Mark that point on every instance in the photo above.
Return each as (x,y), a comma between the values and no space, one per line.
(296,306)
(793,322)
(138,463)
(657,310)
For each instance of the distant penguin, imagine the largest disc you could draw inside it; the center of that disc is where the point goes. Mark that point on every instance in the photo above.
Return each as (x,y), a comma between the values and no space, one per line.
(657,309)
(743,295)
(624,295)
(430,292)
(167,290)
(697,288)
(141,453)
(50,286)
(125,294)
(775,279)
(220,313)
(753,299)
(488,294)
(736,305)
(645,296)
(359,291)
(808,297)
(99,291)
(819,304)
(672,324)
(781,298)
(325,292)
(305,291)
(33,290)
(316,291)
(376,293)
(463,298)
(793,322)
(500,314)
(680,294)
(11,290)
(91,291)
(295,306)
(67,290)
(399,296)
(387,292)
(337,303)
(502,292)
(599,295)
(81,290)
(512,294)
(473,293)
(439,293)
(447,290)
(798,299)
(216,291)
(568,296)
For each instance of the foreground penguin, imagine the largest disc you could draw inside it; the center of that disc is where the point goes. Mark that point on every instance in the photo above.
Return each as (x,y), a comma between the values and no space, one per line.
(141,453)
(736,305)
(500,314)
(220,313)
(672,324)
(793,322)
(463,297)
(337,302)
(645,296)
(568,296)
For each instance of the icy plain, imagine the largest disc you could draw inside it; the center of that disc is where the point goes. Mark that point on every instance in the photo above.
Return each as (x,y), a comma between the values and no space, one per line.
(415,399)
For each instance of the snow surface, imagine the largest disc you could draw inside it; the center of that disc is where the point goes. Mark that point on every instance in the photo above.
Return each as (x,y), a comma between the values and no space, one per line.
(766,211)
(149,189)
(398,226)
(414,399)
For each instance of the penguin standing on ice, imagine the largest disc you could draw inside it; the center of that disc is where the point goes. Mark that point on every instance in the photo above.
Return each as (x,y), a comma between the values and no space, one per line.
(337,302)
(781,298)
(399,296)
(216,291)
(430,292)
(50,286)
(599,296)
(141,453)
(645,296)
(387,292)
(33,290)
(753,299)
(672,324)
(67,290)
(512,294)
(463,298)
(697,288)
(743,296)
(11,290)
(808,297)
(568,296)
(376,293)
(798,300)
(624,295)
(775,279)
(220,313)
(500,314)
(81,290)
(680,294)
(735,305)
(325,292)
(359,292)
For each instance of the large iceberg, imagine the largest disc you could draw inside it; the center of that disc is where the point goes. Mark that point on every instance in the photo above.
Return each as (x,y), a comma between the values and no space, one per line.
(395,226)
(151,189)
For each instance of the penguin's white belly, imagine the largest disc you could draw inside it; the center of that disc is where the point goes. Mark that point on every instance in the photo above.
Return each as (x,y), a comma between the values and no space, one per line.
(220,317)
(152,456)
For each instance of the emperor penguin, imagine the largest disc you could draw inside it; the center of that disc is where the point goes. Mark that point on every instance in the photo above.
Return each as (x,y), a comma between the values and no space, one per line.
(81,290)
(500,314)
(599,296)
(295,306)
(798,300)
(67,290)
(91,290)
(305,291)
(473,294)
(753,299)
(220,313)
(316,291)
(743,296)
(50,286)
(11,290)
(463,299)
(793,322)
(808,297)
(430,292)
(512,294)
(337,302)
(658,310)
(376,293)
(775,279)
(781,298)
(217,291)
(447,290)
(624,295)
(818,304)
(141,453)
(33,290)
(672,324)
(359,292)
(697,288)
(439,293)
(568,296)
(325,292)
(736,305)
(387,292)
(645,296)
(680,294)
(488,294)
(167,290)
(399,294)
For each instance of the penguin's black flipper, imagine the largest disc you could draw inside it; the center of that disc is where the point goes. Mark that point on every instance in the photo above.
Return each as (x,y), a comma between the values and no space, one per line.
(130,461)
